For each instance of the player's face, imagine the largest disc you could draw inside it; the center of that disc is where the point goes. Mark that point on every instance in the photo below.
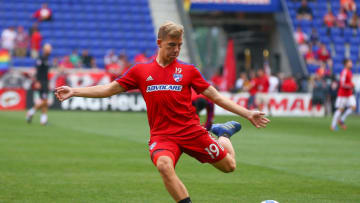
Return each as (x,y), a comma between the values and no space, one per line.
(349,64)
(170,47)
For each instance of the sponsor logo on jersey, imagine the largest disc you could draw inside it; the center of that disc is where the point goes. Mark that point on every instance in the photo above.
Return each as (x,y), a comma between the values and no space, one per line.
(153,88)
(149,78)
(177,77)
(153,145)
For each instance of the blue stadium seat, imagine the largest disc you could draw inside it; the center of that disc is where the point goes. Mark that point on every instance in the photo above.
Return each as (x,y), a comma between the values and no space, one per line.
(23,62)
(339,40)
(312,68)
(98,25)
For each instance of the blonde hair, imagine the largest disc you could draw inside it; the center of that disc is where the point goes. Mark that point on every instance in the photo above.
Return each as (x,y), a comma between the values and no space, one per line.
(171,29)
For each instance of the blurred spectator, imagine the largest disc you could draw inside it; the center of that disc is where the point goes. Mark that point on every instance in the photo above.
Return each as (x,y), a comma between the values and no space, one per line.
(262,88)
(323,55)
(35,43)
(240,82)
(329,19)
(110,58)
(273,83)
(333,91)
(43,14)
(86,59)
(65,63)
(123,62)
(322,71)
(314,37)
(289,85)
(301,38)
(341,19)
(348,5)
(34,27)
(21,42)
(93,64)
(354,21)
(262,81)
(310,57)
(8,37)
(140,58)
(304,12)
(75,59)
(302,83)
(319,91)
(217,78)
(114,70)
(252,88)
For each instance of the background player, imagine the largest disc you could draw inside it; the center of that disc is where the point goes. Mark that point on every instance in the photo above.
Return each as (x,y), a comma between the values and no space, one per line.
(42,84)
(165,84)
(345,98)
(201,102)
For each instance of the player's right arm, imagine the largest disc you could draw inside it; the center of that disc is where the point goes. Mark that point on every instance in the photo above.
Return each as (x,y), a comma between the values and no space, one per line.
(98,91)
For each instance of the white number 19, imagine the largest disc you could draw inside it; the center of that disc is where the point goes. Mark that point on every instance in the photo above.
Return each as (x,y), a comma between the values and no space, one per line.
(212,149)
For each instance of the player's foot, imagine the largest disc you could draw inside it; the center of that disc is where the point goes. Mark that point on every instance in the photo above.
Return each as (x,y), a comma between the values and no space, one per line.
(342,124)
(227,129)
(336,128)
(28,118)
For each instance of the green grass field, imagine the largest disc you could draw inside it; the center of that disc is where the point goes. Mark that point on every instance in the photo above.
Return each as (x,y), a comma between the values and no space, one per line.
(103,157)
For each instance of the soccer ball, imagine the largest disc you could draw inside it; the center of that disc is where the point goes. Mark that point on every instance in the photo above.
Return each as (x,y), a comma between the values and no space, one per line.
(269,201)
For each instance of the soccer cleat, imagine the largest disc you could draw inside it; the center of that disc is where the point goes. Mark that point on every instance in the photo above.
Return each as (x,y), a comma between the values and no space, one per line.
(29,118)
(227,129)
(342,124)
(336,128)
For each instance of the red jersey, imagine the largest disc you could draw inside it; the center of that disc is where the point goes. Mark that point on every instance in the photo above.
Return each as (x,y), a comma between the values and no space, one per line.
(346,86)
(167,93)
(36,39)
(254,86)
(263,84)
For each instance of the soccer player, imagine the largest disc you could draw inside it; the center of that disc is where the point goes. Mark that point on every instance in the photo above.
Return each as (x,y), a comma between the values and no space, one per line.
(165,84)
(345,99)
(41,83)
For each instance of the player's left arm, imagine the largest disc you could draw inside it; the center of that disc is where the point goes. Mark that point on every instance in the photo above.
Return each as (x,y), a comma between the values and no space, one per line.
(257,118)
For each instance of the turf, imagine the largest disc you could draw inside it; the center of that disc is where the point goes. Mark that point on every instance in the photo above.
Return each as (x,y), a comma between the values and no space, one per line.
(103,157)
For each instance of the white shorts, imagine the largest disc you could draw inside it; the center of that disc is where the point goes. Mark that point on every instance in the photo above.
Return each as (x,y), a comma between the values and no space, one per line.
(343,102)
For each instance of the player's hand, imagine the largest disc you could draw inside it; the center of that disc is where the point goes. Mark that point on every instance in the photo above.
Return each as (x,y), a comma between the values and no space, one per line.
(63,93)
(258,119)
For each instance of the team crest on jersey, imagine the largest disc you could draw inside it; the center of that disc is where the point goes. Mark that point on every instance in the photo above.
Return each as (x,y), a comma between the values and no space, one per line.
(177,77)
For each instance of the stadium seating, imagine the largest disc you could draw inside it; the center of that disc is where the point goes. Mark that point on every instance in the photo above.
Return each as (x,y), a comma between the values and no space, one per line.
(342,43)
(96,25)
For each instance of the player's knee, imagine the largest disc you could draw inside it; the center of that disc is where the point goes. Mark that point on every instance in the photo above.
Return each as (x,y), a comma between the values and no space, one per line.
(165,166)
(231,166)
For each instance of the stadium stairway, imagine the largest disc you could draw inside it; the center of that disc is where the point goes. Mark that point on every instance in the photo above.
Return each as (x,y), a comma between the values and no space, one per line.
(96,25)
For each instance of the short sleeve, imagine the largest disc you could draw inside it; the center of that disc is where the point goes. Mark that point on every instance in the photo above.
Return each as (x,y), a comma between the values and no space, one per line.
(129,80)
(198,82)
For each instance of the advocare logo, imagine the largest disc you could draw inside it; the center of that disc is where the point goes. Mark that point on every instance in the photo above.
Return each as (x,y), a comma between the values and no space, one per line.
(9,99)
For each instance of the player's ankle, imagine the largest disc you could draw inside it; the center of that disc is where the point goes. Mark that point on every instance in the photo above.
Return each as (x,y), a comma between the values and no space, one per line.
(186,200)
(225,135)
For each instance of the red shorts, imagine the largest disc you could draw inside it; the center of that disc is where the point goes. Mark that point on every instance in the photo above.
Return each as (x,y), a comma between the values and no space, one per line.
(200,145)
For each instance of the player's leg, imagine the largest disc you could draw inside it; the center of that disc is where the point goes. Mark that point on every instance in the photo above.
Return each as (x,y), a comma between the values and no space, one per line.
(339,104)
(351,103)
(224,132)
(164,154)
(44,110)
(173,184)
